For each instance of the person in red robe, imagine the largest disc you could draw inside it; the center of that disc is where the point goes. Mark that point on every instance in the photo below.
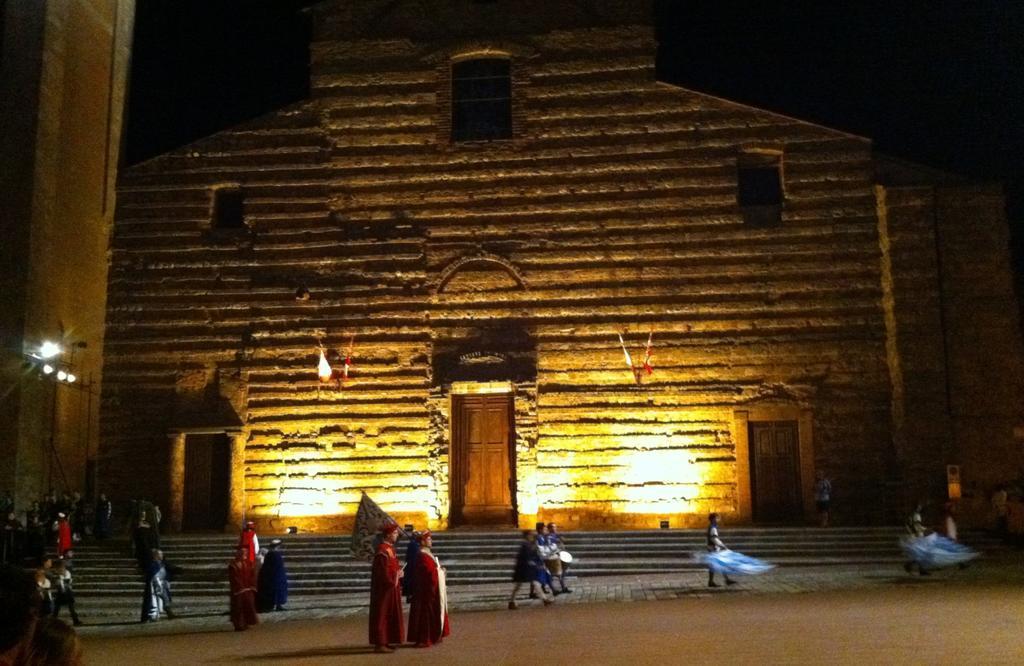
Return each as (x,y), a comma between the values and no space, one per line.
(428,614)
(64,542)
(249,541)
(242,577)
(386,593)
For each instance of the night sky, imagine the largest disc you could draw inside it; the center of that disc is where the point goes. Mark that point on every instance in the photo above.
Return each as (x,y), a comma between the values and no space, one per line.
(940,82)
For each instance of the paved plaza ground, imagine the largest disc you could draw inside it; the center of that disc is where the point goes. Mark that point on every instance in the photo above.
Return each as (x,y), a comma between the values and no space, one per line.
(813,615)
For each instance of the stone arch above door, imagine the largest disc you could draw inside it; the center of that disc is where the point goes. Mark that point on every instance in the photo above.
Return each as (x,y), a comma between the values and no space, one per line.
(480,273)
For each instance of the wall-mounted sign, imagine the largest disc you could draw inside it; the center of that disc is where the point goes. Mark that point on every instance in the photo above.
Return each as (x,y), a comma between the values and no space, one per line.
(482,358)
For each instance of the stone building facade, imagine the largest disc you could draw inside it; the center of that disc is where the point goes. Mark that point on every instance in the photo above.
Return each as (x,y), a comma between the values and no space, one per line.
(476,201)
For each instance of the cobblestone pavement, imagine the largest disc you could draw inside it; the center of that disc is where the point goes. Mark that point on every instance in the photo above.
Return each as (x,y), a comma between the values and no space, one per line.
(1006,569)
(925,622)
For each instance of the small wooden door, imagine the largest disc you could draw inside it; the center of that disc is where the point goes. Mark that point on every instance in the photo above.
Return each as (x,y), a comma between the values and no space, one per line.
(207,478)
(775,471)
(482,463)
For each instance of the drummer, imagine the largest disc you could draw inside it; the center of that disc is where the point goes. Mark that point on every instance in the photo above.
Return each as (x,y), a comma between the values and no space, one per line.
(563,558)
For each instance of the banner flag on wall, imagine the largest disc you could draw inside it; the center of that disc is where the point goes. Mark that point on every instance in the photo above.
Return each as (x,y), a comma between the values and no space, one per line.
(369,519)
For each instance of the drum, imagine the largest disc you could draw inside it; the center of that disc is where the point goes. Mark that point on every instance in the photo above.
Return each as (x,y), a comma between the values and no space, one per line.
(565,557)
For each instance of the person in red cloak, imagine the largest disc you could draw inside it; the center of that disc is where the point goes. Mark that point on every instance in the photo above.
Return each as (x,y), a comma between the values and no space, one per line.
(249,541)
(64,542)
(428,614)
(242,576)
(386,593)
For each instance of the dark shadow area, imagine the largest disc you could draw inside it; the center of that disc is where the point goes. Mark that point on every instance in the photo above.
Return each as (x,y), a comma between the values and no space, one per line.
(340,651)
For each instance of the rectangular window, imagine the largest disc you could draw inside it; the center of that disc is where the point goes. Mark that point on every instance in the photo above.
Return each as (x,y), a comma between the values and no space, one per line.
(228,208)
(759,188)
(481,100)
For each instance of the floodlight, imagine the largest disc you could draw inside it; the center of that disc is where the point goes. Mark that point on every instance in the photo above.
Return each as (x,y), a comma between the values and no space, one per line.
(49,349)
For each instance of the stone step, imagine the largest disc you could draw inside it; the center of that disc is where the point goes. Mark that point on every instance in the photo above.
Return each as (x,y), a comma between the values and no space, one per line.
(107,579)
(332,583)
(513,535)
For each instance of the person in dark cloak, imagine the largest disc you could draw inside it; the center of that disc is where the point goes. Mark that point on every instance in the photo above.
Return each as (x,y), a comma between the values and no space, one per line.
(104,511)
(10,544)
(35,535)
(412,558)
(272,588)
(527,570)
(144,540)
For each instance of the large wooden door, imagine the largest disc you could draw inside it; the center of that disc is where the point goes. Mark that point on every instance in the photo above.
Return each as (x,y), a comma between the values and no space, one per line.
(482,464)
(775,471)
(207,478)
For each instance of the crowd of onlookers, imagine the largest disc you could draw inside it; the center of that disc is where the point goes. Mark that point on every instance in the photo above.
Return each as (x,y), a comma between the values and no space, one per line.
(29,634)
(54,522)
(37,546)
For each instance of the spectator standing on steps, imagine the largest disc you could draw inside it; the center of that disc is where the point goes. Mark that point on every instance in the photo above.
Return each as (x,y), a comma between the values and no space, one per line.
(104,510)
(823,498)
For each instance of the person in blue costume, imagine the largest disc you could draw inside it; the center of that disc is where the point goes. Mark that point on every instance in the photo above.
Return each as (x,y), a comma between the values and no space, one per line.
(156,597)
(724,561)
(527,570)
(412,558)
(272,587)
(929,551)
(543,546)
(715,545)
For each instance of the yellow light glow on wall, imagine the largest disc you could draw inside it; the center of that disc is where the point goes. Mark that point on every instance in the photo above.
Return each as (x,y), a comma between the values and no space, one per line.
(659,478)
(312,502)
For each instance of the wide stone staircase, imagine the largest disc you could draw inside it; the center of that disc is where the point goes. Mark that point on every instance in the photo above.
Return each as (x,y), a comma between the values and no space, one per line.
(108,583)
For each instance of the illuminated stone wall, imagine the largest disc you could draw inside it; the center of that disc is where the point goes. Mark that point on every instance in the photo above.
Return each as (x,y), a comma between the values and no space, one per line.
(614,207)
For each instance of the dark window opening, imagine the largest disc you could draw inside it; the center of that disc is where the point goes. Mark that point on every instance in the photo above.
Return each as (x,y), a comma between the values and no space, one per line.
(228,208)
(481,100)
(759,189)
